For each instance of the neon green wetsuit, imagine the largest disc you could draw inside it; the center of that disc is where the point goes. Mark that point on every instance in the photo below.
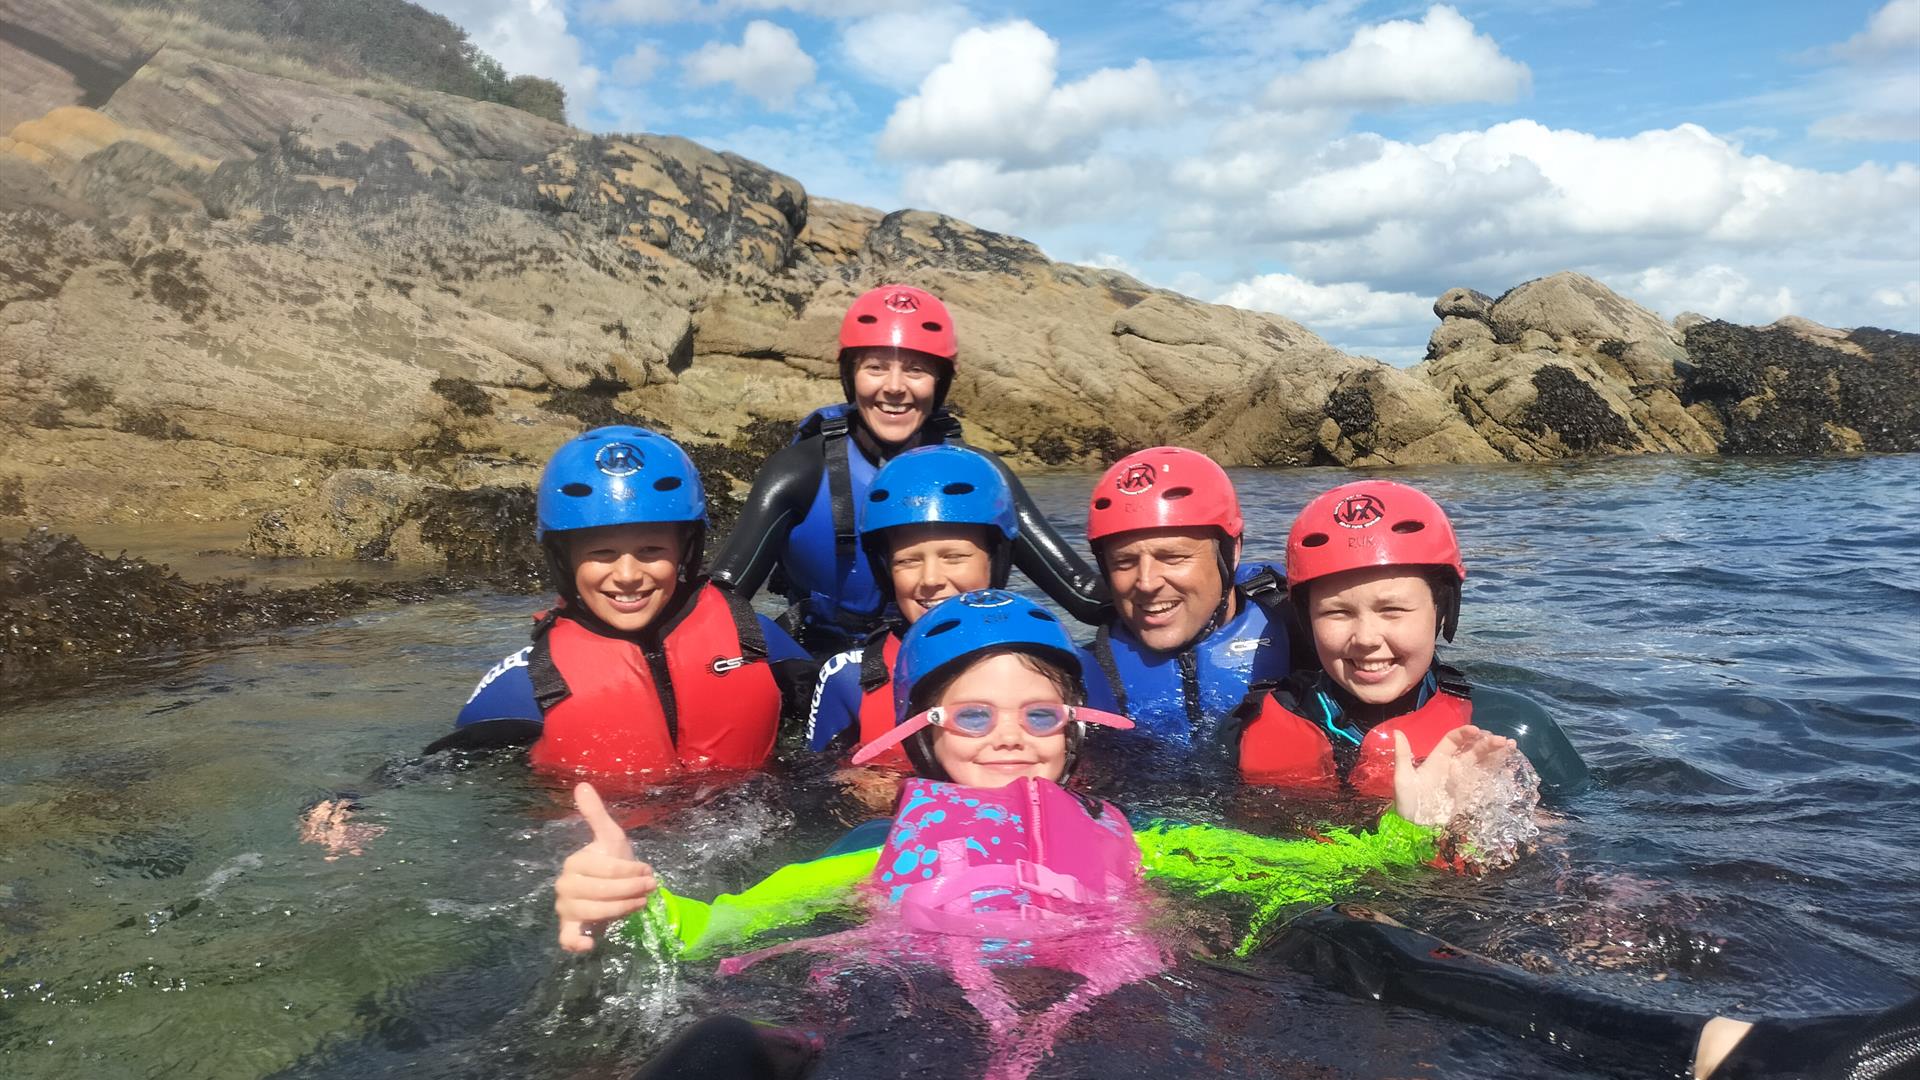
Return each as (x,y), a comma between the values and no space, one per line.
(1198,859)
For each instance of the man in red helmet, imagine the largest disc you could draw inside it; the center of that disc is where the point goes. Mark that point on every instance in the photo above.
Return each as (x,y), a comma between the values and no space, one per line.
(1187,640)
(898,355)
(1375,568)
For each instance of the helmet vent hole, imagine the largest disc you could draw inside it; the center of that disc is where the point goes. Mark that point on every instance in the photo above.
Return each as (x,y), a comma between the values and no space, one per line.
(943,626)
(1043,616)
(1313,540)
(1176,493)
(932,327)
(878,495)
(869,320)
(1102,503)
(1409,526)
(578,491)
(958,487)
(666,483)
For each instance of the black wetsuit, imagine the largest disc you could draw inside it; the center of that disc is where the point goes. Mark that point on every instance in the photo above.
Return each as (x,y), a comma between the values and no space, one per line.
(1370,956)
(807,495)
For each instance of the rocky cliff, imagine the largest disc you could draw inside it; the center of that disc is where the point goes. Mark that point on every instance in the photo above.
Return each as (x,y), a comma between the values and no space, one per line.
(361,313)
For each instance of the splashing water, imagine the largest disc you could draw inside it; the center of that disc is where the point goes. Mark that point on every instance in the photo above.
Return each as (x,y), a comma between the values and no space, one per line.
(1494,820)
(1107,952)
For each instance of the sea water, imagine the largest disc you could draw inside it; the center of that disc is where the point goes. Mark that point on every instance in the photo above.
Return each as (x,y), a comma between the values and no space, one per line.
(1731,645)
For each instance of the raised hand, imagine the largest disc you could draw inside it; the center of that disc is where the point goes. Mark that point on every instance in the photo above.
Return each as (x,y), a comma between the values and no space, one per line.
(1432,792)
(600,882)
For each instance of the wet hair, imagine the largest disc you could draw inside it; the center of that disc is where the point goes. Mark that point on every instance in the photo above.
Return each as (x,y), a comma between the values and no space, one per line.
(928,691)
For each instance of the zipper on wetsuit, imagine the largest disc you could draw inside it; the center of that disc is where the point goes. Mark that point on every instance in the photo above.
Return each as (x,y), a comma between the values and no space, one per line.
(1190,688)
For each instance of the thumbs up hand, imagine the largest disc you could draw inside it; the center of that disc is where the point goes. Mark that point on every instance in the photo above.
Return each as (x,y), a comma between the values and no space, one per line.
(600,882)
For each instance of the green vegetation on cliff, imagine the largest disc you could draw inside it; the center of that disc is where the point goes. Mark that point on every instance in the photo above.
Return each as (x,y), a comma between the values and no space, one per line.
(392,38)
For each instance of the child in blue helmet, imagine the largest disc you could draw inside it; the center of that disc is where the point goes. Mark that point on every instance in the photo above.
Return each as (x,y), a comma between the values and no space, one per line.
(938,521)
(642,667)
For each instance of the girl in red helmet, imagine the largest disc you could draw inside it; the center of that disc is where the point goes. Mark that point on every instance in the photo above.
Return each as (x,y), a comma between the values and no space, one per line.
(898,354)
(1375,569)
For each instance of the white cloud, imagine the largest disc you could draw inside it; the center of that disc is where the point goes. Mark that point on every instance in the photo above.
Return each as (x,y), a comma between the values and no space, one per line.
(996,98)
(1434,61)
(1881,107)
(639,65)
(1347,305)
(1714,290)
(897,49)
(1902,296)
(768,64)
(528,37)
(1005,200)
(1892,31)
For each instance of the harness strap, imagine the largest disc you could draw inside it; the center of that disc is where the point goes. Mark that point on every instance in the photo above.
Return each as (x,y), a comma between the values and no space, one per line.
(846,533)
(1269,590)
(873,661)
(746,627)
(549,686)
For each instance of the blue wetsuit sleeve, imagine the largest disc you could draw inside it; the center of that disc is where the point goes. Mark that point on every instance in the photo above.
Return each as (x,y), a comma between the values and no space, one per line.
(780,644)
(836,700)
(781,494)
(1099,694)
(504,693)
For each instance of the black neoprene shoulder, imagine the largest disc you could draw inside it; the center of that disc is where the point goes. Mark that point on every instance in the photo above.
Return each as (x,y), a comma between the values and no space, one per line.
(1048,560)
(782,493)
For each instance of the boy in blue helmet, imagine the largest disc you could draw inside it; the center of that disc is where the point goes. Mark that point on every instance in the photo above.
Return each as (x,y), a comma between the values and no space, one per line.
(939,521)
(643,666)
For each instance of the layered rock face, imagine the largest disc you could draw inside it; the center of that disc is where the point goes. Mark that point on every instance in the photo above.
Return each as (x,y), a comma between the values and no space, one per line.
(362,314)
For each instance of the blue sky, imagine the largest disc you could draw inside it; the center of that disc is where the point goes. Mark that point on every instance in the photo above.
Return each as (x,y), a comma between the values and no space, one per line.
(1340,163)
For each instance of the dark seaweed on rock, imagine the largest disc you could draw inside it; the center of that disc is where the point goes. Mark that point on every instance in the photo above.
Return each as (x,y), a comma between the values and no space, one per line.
(1779,393)
(66,610)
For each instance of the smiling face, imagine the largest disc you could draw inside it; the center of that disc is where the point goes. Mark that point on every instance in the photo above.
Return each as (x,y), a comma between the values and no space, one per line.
(1165,583)
(893,389)
(1008,752)
(934,561)
(626,574)
(1374,629)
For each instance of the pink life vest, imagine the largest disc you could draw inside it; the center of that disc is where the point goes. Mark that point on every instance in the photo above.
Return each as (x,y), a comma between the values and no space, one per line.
(988,862)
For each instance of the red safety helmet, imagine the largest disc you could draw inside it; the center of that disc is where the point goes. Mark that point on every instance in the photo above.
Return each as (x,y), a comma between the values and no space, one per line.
(1165,487)
(900,317)
(1376,523)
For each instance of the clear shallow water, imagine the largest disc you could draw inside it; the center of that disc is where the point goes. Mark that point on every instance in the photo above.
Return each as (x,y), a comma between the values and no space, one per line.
(1731,644)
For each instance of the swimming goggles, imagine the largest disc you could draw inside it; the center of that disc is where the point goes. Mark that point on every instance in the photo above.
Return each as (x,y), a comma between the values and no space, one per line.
(977,719)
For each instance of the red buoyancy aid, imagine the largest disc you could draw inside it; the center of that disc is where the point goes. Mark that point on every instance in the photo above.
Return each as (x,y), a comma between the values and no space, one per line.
(1282,748)
(876,707)
(606,711)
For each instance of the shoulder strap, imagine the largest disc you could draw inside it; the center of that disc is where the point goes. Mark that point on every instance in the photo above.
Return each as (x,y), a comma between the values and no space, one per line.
(873,661)
(836,447)
(1269,590)
(1451,680)
(549,686)
(1103,655)
(944,426)
(746,627)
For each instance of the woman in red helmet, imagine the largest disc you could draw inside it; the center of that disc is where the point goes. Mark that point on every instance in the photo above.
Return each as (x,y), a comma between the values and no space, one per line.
(898,353)
(1375,569)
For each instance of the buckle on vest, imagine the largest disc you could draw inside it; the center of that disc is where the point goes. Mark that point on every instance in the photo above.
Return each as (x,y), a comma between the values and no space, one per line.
(1046,881)
(724,664)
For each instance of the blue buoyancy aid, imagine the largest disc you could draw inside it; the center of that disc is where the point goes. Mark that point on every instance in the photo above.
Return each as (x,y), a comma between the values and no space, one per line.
(828,574)
(1182,698)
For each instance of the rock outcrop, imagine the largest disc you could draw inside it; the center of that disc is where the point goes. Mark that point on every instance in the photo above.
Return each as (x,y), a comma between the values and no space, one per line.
(360,314)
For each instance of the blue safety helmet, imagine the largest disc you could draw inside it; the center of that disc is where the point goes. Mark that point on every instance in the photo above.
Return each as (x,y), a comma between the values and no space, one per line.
(619,475)
(953,485)
(961,628)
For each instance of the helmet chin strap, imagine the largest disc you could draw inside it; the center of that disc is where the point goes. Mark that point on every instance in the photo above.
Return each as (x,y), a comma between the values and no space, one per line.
(1219,616)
